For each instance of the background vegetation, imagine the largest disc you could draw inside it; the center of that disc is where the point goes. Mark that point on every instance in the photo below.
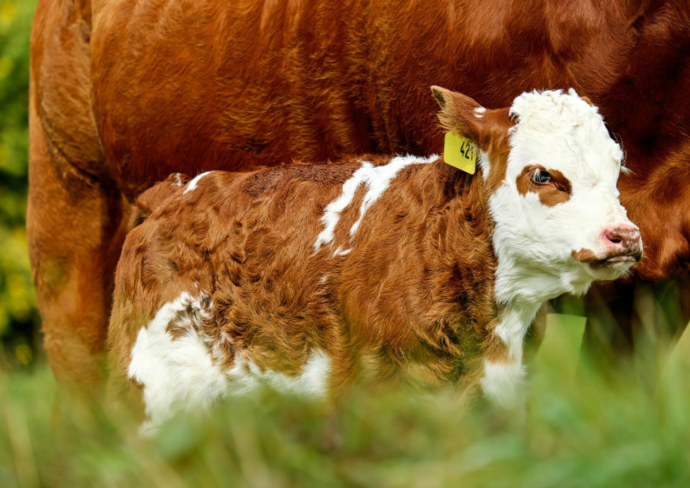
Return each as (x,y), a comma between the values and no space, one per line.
(18,316)
(580,431)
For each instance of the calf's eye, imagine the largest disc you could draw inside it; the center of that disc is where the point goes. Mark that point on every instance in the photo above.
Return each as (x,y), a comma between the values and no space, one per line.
(541,177)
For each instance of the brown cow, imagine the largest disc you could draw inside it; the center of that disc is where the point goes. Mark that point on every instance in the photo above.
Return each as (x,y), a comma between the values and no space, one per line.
(125,92)
(310,277)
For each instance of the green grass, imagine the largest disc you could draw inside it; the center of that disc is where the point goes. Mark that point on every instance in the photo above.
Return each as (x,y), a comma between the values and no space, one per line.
(581,431)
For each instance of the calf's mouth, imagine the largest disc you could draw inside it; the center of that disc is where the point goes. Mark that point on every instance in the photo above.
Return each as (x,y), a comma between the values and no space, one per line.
(621,258)
(587,256)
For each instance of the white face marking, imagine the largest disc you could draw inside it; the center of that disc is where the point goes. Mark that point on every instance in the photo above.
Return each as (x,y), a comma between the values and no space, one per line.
(179,179)
(377,180)
(534,242)
(479,112)
(192,184)
(181,374)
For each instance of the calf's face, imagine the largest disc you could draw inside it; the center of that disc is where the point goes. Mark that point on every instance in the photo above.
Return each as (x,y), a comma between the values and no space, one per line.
(554,199)
(559,202)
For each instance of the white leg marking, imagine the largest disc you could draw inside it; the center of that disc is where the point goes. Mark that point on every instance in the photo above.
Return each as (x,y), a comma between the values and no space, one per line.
(192,184)
(377,179)
(503,382)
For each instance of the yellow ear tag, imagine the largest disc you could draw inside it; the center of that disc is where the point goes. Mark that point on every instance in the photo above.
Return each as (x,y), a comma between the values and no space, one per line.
(460,153)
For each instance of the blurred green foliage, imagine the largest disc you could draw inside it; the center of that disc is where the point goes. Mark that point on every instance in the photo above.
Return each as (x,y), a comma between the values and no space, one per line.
(18,315)
(580,431)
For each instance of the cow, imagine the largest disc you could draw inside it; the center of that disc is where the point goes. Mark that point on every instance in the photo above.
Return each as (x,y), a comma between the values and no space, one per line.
(309,278)
(126,92)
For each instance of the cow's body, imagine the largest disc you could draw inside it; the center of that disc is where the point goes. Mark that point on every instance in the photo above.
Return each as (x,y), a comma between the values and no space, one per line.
(310,277)
(125,92)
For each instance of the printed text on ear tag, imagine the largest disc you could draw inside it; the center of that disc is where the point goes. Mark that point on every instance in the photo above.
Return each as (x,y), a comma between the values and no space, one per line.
(460,153)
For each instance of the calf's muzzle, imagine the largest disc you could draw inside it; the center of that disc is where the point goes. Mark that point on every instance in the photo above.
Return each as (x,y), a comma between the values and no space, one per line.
(624,243)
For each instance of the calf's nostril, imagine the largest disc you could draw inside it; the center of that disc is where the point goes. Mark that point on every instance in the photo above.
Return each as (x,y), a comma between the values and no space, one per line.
(613,236)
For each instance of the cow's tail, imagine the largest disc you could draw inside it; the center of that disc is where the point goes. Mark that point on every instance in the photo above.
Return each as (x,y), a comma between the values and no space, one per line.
(148,201)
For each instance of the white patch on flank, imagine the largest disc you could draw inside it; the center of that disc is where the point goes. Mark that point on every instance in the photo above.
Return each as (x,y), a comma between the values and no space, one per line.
(192,184)
(479,112)
(377,179)
(179,179)
(180,374)
(176,372)
(246,376)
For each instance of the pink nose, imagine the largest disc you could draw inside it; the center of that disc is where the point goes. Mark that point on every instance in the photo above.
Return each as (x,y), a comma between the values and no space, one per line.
(624,240)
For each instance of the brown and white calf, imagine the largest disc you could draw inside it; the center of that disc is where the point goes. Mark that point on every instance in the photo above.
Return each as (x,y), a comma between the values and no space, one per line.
(310,277)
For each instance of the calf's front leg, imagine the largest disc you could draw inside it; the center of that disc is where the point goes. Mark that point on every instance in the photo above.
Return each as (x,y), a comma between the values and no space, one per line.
(504,374)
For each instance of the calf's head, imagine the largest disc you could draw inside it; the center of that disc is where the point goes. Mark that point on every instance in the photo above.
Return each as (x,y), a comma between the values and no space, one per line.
(551,169)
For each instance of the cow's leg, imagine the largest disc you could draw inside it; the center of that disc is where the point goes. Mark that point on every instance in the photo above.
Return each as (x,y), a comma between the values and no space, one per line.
(635,324)
(660,315)
(608,334)
(75,233)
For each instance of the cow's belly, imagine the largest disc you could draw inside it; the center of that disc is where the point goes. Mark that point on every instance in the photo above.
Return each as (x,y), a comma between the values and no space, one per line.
(173,93)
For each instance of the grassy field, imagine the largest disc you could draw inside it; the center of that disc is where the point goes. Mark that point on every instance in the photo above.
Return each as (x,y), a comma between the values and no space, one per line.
(580,432)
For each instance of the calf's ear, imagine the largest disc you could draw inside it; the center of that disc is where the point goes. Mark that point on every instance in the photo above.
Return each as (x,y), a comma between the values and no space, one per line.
(459,113)
(462,115)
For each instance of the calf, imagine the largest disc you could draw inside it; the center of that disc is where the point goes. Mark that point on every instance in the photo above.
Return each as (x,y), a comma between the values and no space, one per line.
(309,277)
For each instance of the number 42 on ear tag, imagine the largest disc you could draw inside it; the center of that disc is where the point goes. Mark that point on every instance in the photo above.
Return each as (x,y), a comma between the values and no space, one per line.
(460,153)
